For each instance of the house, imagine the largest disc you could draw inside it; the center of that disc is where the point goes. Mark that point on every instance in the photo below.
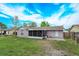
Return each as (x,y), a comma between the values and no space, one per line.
(11,31)
(41,32)
(74,32)
(2,32)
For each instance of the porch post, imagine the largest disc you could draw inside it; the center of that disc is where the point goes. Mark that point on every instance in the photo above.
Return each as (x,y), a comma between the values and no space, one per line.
(42,33)
(37,33)
(32,33)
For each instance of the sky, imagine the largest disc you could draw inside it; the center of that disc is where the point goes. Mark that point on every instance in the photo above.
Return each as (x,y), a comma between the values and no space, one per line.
(56,14)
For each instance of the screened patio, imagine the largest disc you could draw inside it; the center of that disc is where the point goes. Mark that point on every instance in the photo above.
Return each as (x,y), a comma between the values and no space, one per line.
(37,33)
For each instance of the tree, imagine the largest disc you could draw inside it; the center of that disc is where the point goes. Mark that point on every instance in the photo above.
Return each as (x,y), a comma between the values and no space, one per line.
(24,24)
(48,24)
(33,24)
(2,26)
(44,24)
(15,23)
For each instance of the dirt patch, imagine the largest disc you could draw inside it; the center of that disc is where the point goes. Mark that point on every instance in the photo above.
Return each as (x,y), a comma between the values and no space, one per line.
(49,50)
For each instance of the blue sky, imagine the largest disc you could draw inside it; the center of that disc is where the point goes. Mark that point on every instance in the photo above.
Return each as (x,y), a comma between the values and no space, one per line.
(56,14)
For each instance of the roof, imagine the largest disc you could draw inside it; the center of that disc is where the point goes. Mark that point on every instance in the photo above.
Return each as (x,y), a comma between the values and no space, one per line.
(8,29)
(75,28)
(46,28)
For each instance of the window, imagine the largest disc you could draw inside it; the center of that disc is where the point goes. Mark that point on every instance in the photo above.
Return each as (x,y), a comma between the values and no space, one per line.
(35,33)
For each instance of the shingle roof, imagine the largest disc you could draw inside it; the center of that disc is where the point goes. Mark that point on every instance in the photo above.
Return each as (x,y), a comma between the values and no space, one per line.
(47,28)
(75,28)
(7,29)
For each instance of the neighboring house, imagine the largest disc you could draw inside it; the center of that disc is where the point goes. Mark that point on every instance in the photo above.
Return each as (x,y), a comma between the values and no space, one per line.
(12,31)
(41,32)
(2,32)
(8,32)
(74,31)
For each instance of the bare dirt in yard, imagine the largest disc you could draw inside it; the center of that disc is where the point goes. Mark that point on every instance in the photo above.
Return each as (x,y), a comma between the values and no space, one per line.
(49,50)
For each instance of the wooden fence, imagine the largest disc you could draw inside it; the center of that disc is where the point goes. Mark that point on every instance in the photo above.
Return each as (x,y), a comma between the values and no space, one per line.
(66,34)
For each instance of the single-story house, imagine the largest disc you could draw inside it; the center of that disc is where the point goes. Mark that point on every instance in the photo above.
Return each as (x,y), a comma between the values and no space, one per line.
(41,32)
(74,31)
(2,32)
(11,31)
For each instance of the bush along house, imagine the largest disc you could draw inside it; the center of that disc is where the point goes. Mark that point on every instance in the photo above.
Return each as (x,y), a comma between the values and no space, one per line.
(41,32)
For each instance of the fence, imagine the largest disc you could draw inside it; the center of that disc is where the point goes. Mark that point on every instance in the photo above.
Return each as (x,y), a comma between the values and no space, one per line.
(66,35)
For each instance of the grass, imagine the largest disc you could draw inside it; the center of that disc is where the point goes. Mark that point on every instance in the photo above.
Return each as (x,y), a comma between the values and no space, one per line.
(68,46)
(15,46)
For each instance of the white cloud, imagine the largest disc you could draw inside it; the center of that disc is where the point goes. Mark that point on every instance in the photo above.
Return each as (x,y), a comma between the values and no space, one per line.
(54,19)
(38,11)
(29,11)
(6,9)
(68,20)
(75,6)
(19,12)
(1,15)
(73,18)
(11,11)
(19,9)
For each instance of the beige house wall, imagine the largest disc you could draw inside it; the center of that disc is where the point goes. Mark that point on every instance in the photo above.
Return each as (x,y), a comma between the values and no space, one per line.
(10,32)
(22,33)
(55,34)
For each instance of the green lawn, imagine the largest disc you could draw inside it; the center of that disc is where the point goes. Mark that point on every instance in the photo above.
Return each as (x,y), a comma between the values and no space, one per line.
(11,45)
(16,46)
(68,46)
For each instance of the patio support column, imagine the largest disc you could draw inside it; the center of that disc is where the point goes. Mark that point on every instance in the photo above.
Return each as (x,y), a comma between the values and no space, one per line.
(37,33)
(32,33)
(42,33)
